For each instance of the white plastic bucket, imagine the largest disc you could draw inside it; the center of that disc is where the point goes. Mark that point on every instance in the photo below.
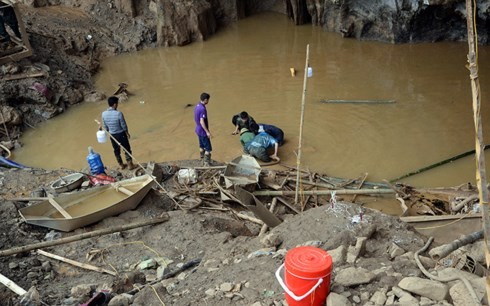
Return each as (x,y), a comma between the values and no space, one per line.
(101,136)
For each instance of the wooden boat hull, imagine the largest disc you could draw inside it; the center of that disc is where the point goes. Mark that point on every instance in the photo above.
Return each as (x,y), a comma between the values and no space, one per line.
(90,206)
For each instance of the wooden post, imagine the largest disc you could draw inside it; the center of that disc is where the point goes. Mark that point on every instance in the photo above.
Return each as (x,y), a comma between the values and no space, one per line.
(298,159)
(481,177)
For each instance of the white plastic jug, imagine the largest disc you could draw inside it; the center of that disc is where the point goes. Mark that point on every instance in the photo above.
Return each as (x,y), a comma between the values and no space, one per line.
(101,136)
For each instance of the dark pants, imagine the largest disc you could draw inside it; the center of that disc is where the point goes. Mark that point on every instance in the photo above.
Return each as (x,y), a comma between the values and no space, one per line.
(124,141)
(11,20)
(260,153)
(4,35)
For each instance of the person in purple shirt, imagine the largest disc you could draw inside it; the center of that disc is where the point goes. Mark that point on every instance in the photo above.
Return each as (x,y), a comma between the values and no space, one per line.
(202,129)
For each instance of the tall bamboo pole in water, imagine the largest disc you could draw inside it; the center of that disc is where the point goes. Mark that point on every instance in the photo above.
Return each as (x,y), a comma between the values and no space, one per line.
(298,159)
(481,177)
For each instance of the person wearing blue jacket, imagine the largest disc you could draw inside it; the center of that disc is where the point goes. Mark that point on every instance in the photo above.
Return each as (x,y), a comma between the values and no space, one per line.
(260,144)
(274,131)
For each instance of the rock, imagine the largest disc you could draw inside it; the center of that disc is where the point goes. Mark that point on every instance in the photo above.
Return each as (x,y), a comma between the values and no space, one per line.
(379,297)
(210,292)
(357,250)
(271,240)
(94,97)
(461,296)
(337,300)
(31,298)
(403,296)
(83,290)
(147,264)
(338,255)
(46,266)
(226,287)
(13,265)
(354,276)
(120,300)
(425,287)
(395,250)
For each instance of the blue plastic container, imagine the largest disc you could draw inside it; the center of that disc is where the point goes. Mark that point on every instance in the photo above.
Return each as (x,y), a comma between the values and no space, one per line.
(95,162)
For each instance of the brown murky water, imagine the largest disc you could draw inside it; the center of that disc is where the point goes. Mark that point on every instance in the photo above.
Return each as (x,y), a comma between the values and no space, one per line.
(246,67)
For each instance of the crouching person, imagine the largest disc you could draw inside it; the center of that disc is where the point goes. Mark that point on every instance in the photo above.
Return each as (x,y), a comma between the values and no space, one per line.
(260,146)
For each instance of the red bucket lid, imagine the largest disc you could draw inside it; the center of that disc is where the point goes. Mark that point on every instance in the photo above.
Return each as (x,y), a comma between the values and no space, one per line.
(308,262)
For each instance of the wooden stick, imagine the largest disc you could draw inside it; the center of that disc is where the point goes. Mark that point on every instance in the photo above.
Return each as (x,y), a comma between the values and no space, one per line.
(359,101)
(359,186)
(5,127)
(73,238)
(481,176)
(271,209)
(311,183)
(248,218)
(298,159)
(11,285)
(323,192)
(419,219)
(124,190)
(27,199)
(58,207)
(76,263)
(283,201)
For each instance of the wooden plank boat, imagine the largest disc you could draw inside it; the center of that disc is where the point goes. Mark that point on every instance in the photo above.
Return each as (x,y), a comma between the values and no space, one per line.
(71,211)
(243,170)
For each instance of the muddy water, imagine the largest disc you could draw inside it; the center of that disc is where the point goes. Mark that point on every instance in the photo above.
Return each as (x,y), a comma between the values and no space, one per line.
(246,67)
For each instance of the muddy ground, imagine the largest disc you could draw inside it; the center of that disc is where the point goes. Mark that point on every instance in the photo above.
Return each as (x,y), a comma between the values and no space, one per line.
(236,266)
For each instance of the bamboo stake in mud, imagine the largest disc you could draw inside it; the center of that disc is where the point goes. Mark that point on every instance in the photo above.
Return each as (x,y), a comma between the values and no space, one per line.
(481,177)
(298,159)
(76,263)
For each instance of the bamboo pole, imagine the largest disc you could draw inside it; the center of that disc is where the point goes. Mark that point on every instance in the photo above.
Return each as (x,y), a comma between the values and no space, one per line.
(76,263)
(481,178)
(359,101)
(298,159)
(443,162)
(323,192)
(73,238)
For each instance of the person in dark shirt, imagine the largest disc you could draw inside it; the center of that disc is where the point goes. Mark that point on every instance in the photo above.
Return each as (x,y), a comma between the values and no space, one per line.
(242,120)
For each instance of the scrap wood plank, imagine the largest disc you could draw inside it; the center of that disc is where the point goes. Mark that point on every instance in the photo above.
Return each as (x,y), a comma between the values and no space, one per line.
(76,263)
(11,285)
(23,76)
(58,207)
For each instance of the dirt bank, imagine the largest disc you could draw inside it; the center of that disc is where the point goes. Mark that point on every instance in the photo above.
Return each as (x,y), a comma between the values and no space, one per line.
(373,256)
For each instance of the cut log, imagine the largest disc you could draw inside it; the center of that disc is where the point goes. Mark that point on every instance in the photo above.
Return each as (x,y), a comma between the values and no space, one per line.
(73,238)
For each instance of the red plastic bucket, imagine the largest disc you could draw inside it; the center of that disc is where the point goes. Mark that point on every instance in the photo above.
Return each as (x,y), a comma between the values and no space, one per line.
(306,276)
